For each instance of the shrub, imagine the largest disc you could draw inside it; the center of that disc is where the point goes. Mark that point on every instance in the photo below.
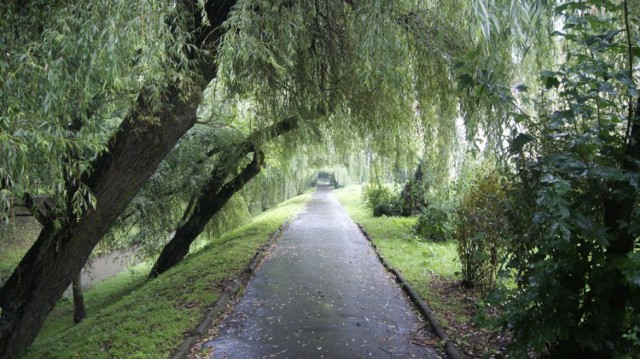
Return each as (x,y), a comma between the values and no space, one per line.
(411,199)
(481,232)
(376,194)
(386,209)
(434,223)
(381,199)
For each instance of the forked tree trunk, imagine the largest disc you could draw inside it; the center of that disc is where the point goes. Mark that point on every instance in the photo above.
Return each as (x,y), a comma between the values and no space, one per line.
(79,311)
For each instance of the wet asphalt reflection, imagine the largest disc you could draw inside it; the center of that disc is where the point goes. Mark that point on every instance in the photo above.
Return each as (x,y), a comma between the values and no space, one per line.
(321,293)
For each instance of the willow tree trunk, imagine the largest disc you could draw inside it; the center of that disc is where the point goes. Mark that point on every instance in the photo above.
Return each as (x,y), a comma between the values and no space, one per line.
(210,202)
(79,311)
(58,255)
(215,194)
(133,154)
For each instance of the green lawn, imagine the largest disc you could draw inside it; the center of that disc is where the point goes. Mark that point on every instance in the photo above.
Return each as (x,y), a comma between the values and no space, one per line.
(129,317)
(421,262)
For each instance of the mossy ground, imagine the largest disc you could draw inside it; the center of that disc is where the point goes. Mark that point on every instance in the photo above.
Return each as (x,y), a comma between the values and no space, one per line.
(129,317)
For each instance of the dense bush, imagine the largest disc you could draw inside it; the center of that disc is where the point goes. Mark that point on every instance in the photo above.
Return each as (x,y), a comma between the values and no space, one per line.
(386,209)
(481,232)
(381,200)
(435,223)
(576,265)
(412,197)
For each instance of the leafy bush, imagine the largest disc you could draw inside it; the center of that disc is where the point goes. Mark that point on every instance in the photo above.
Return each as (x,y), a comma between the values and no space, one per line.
(375,194)
(381,199)
(434,223)
(577,271)
(386,209)
(412,196)
(481,232)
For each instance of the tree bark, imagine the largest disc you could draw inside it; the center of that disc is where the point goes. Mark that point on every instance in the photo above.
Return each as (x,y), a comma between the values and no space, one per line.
(215,195)
(133,154)
(211,201)
(79,311)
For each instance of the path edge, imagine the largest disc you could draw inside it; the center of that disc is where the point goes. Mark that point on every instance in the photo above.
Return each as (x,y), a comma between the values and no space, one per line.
(427,313)
(239,282)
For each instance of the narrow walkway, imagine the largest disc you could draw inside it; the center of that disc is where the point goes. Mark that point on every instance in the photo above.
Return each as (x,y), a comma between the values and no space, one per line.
(322,293)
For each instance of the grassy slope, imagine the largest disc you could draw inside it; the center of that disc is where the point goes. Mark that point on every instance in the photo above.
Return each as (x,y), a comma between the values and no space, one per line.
(422,263)
(132,318)
(15,240)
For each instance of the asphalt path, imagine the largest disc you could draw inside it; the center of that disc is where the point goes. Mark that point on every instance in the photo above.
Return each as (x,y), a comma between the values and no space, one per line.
(322,293)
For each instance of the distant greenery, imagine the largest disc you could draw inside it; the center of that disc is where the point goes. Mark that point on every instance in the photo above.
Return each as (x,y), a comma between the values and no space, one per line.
(131,318)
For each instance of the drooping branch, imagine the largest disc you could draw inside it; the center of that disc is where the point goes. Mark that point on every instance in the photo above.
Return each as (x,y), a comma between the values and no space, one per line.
(208,205)
(215,194)
(133,154)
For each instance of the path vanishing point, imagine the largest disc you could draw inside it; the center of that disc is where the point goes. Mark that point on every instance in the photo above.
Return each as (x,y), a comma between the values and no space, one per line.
(322,293)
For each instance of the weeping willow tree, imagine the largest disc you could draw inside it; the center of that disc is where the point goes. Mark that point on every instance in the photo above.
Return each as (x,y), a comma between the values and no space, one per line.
(322,72)
(66,69)
(378,71)
(66,87)
(385,71)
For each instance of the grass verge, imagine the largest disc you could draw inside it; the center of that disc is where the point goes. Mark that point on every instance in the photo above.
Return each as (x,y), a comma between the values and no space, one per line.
(430,267)
(132,318)
(15,240)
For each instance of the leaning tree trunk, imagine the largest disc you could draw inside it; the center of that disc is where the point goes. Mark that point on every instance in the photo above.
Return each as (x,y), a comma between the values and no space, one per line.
(133,154)
(210,202)
(79,311)
(215,195)
(58,255)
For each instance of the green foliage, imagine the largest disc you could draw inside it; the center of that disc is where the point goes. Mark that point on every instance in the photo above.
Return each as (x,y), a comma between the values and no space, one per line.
(435,223)
(412,196)
(233,215)
(364,73)
(482,231)
(574,213)
(381,200)
(375,194)
(69,74)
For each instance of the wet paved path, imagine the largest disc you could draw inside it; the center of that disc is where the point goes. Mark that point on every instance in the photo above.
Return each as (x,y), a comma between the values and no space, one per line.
(321,293)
